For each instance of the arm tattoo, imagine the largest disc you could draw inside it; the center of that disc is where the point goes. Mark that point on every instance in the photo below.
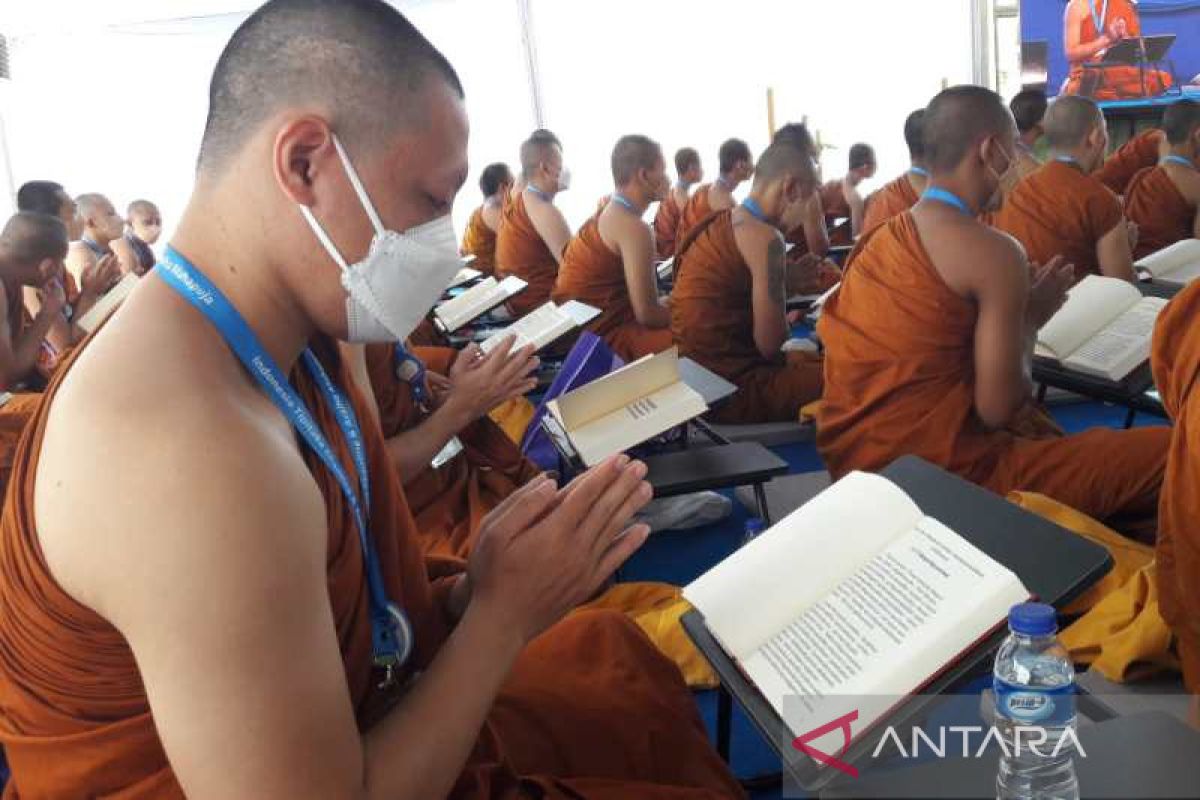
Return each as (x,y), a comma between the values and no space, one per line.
(777,270)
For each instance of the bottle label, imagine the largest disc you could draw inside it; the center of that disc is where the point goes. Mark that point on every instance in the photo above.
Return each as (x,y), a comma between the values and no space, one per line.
(1028,705)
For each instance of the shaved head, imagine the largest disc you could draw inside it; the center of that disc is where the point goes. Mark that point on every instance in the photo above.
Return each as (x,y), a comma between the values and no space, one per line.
(493,177)
(358,63)
(1070,120)
(536,150)
(142,208)
(1028,109)
(93,204)
(731,152)
(914,134)
(1181,120)
(784,159)
(798,135)
(958,119)
(30,238)
(862,155)
(685,159)
(632,154)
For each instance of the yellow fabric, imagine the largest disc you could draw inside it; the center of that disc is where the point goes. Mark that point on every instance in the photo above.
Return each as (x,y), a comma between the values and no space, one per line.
(1121,634)
(809,412)
(656,608)
(513,416)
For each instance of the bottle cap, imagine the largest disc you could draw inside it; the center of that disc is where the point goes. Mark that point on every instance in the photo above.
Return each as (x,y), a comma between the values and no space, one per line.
(1032,619)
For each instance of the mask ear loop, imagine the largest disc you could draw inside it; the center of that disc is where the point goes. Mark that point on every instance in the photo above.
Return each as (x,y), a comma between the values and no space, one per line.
(358,187)
(326,242)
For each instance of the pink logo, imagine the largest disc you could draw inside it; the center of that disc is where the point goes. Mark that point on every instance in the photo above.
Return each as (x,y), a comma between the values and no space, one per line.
(801,743)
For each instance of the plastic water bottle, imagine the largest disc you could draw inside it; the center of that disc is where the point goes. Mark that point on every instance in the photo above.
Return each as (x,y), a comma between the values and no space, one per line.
(754,526)
(1034,686)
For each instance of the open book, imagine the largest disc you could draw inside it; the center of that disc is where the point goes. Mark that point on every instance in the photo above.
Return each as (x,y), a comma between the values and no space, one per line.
(850,602)
(626,407)
(108,303)
(1104,328)
(1179,263)
(464,275)
(479,299)
(543,325)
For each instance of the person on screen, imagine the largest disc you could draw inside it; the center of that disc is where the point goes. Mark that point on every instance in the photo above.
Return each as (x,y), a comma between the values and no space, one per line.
(1062,210)
(666,219)
(1164,200)
(928,341)
(1091,27)
(479,239)
(903,192)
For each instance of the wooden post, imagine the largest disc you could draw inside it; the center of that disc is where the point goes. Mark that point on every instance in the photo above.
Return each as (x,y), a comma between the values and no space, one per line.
(770,113)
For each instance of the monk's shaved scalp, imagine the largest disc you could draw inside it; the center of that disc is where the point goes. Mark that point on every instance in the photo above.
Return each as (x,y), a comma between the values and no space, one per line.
(632,153)
(685,159)
(799,136)
(92,204)
(862,155)
(731,152)
(1070,120)
(44,197)
(784,159)
(914,134)
(1181,120)
(957,119)
(358,62)
(143,207)
(1028,109)
(536,150)
(30,237)
(493,177)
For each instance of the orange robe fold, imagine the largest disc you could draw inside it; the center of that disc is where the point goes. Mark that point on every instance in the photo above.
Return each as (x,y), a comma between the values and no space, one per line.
(1060,211)
(1129,159)
(712,318)
(591,710)
(448,503)
(14,416)
(1163,215)
(1115,82)
(697,209)
(480,241)
(666,226)
(521,251)
(1176,360)
(888,201)
(837,214)
(593,274)
(899,379)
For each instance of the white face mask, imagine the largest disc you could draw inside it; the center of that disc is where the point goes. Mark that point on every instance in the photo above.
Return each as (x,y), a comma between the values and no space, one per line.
(564,179)
(403,274)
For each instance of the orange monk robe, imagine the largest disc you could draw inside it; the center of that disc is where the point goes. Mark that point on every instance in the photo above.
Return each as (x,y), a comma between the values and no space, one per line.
(521,251)
(593,274)
(712,318)
(698,208)
(14,416)
(1115,82)
(480,241)
(666,226)
(899,379)
(888,201)
(1059,210)
(591,710)
(449,502)
(1163,215)
(1176,360)
(837,213)
(1137,154)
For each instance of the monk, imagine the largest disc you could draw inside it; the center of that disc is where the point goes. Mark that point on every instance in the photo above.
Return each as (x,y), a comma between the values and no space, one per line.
(1089,29)
(728,305)
(32,250)
(1062,210)
(666,219)
(610,262)
(143,227)
(1028,108)
(736,164)
(1164,201)
(48,197)
(455,464)
(841,200)
(930,337)
(262,638)
(479,240)
(533,233)
(1137,154)
(102,226)
(902,193)
(1176,362)
(804,222)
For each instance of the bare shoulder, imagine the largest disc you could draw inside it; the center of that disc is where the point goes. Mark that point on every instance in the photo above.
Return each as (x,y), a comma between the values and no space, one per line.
(970,256)
(152,467)
(759,243)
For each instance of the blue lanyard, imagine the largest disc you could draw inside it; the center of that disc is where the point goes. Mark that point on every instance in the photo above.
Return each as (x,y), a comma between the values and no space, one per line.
(1070,161)
(1099,19)
(940,195)
(411,370)
(1180,160)
(924,173)
(391,634)
(754,209)
(529,187)
(623,201)
(721,180)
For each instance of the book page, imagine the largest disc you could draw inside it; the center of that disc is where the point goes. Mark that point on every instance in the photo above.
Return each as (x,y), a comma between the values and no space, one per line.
(453,309)
(465,274)
(1091,304)
(579,313)
(757,591)
(108,303)
(1122,345)
(887,629)
(1174,263)
(641,419)
(616,390)
(539,328)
